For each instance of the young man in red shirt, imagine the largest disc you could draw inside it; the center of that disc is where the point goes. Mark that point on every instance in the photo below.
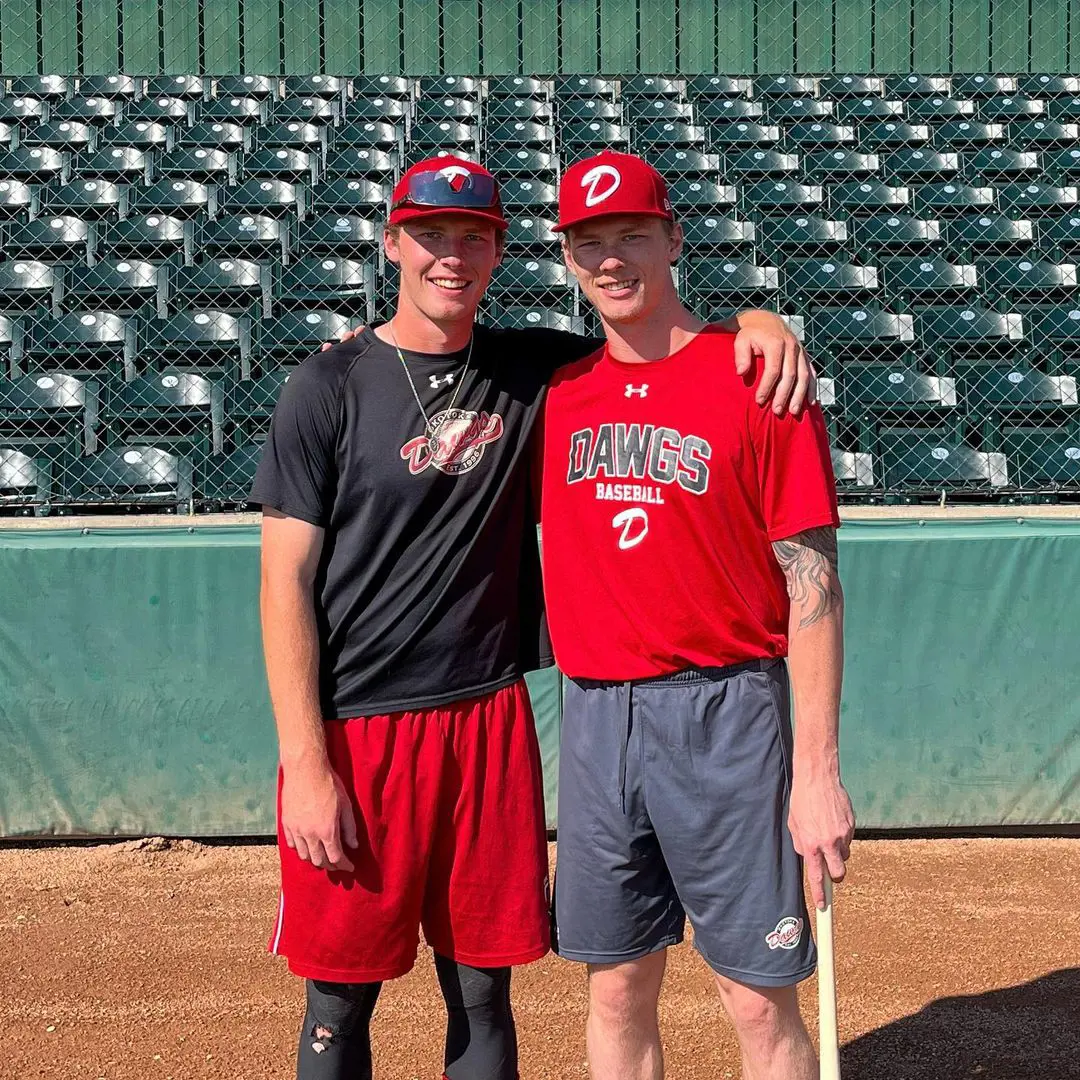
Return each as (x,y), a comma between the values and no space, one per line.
(400,610)
(689,546)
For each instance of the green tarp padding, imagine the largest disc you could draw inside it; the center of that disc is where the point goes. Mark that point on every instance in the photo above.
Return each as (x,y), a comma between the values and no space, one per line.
(133,699)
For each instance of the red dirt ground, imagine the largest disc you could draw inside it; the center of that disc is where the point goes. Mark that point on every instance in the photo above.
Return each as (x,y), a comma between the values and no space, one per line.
(146,960)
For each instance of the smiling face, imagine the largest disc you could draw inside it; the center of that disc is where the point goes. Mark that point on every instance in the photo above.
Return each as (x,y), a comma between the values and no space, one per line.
(623,264)
(446,262)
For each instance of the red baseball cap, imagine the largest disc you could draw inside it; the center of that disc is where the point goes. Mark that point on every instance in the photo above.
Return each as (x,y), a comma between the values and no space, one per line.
(611,183)
(446,185)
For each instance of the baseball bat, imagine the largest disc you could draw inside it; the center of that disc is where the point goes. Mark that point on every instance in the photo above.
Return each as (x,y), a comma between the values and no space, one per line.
(828,1040)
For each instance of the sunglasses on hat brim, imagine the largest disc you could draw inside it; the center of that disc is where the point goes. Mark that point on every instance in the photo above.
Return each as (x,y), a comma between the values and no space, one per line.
(450,189)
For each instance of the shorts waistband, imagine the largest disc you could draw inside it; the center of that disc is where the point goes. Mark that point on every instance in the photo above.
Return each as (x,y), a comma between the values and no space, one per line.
(687,676)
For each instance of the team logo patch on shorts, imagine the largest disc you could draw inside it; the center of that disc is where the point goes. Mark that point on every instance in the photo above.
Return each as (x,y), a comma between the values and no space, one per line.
(787,934)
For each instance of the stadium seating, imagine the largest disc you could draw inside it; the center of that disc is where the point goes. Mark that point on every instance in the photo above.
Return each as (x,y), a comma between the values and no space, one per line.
(924,228)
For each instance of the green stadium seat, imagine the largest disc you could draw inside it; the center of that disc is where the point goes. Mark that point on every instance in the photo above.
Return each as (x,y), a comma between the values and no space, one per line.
(520,86)
(208,166)
(293,336)
(1023,278)
(179,198)
(537,279)
(245,236)
(803,232)
(520,193)
(250,402)
(208,339)
(385,86)
(683,162)
(1042,134)
(224,482)
(346,285)
(1043,456)
(275,197)
(526,318)
(730,109)
(83,198)
(369,163)
(27,284)
(1057,326)
(884,389)
(365,197)
(743,133)
(1060,235)
(940,108)
(1046,86)
(852,470)
(44,87)
(125,163)
(134,475)
(223,284)
(952,197)
(861,110)
(863,334)
(780,195)
(282,163)
(828,281)
(292,134)
(523,162)
(253,86)
(842,164)
(195,87)
(897,232)
(113,284)
(808,133)
(585,109)
(239,110)
(920,164)
(710,282)
(86,341)
(594,135)
(911,279)
(59,237)
(178,410)
(930,459)
(331,87)
(162,110)
(642,110)
(50,406)
(865,196)
(531,233)
(25,480)
(214,135)
(989,232)
(379,110)
(450,86)
(983,85)
(798,86)
(914,86)
(62,135)
(145,134)
(149,236)
(965,134)
(584,86)
(1014,389)
(700,195)
(21,110)
(444,135)
(516,133)
(339,234)
(351,138)
(1011,107)
(653,86)
(1002,162)
(537,111)
(663,133)
(841,86)
(720,234)
(750,163)
(966,333)
(455,109)
(36,163)
(92,110)
(788,110)
(711,87)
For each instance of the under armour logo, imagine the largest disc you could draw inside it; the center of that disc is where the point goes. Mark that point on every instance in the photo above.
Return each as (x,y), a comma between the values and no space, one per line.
(444,380)
(641,391)
(592,179)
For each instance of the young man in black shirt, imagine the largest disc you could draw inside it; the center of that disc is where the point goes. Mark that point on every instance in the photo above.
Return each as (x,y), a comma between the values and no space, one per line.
(401,606)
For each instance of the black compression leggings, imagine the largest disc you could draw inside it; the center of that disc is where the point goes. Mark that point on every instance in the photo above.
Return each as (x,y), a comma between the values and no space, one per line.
(481,1043)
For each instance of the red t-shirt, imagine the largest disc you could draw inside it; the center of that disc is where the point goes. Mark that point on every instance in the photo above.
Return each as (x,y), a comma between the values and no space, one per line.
(663,485)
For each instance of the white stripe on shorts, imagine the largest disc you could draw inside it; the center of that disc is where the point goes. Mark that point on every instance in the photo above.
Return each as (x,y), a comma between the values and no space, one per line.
(280,923)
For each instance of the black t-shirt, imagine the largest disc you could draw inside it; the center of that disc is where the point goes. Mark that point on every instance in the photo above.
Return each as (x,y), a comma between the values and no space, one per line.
(428,589)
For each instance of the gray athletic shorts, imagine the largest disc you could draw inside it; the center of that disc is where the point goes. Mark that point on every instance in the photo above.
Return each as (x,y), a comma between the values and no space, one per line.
(673,803)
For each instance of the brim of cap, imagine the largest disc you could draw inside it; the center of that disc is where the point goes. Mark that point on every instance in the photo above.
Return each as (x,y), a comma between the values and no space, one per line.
(411,213)
(564,225)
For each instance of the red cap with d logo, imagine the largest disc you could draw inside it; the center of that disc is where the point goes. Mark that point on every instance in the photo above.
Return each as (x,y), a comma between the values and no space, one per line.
(446,185)
(611,183)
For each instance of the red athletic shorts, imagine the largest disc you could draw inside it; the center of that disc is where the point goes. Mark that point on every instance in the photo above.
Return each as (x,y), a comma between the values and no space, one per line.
(450,821)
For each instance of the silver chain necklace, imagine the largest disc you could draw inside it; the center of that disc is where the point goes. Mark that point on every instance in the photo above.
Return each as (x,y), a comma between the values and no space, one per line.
(412,385)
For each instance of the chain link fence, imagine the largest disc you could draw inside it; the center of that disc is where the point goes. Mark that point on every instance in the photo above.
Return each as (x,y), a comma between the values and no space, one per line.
(172,244)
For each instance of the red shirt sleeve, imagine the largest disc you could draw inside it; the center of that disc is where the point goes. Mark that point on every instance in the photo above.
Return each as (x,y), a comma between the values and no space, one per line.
(794,469)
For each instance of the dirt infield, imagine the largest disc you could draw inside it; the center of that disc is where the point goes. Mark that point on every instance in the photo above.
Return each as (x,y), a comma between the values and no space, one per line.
(146,960)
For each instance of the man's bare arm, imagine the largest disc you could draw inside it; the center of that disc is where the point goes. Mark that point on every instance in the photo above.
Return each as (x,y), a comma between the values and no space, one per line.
(315,815)
(821,817)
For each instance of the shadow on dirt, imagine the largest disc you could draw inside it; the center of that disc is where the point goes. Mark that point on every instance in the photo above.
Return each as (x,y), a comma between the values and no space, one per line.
(1027,1032)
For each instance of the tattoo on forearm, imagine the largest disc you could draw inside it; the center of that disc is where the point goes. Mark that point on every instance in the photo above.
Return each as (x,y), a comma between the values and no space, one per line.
(809,563)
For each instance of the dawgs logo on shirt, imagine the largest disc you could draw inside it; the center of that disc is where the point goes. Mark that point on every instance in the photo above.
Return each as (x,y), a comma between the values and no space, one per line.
(455,444)
(786,935)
